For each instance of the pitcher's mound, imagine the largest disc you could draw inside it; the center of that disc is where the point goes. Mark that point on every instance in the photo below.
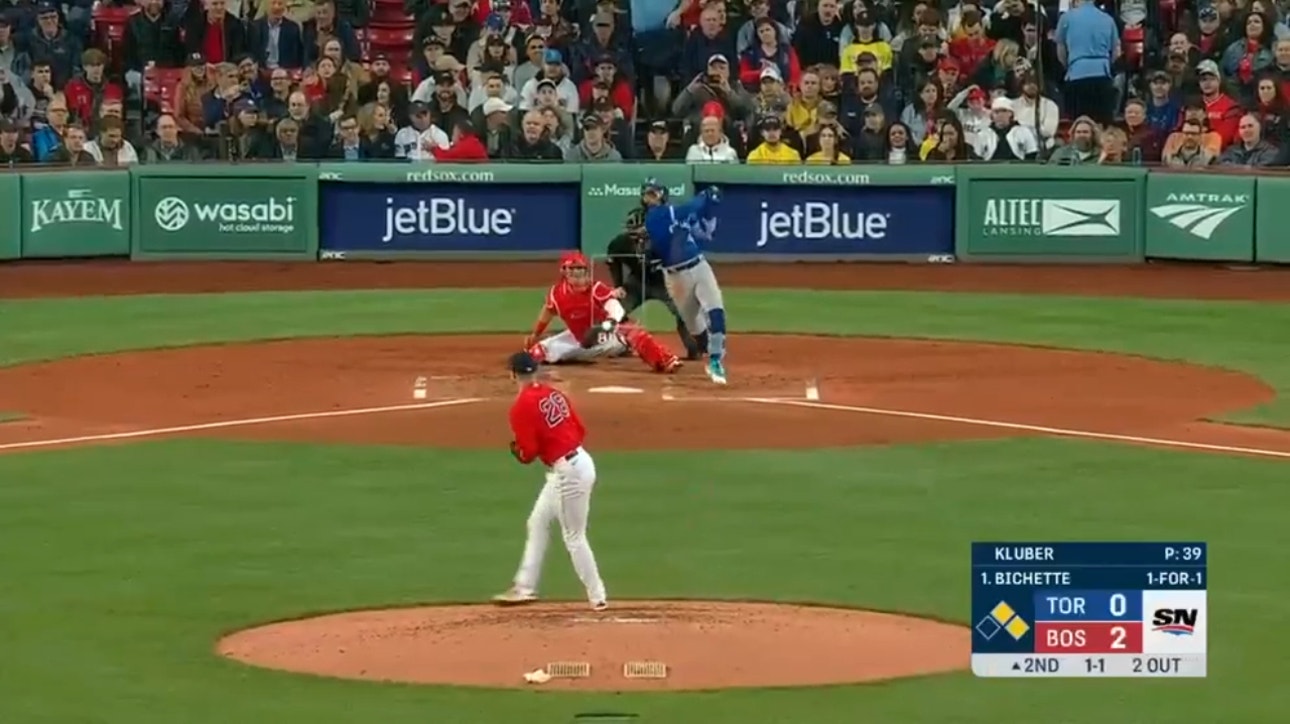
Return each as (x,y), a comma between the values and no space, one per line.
(701,645)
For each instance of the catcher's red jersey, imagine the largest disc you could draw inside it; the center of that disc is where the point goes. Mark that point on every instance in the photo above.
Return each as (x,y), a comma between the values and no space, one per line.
(544,424)
(579,309)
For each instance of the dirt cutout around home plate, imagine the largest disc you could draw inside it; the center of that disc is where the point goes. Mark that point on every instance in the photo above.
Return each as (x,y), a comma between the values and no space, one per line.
(703,644)
(326,379)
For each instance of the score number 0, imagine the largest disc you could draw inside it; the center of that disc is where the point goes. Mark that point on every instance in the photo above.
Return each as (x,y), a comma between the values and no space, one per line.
(1119,605)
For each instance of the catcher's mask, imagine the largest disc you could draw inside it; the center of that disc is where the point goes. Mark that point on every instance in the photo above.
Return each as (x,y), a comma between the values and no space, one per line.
(636,223)
(576,269)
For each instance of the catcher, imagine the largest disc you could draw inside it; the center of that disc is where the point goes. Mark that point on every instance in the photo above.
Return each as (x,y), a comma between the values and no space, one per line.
(638,275)
(594,321)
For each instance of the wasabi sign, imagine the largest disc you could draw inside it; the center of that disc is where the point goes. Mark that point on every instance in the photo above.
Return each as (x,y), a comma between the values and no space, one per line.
(223,215)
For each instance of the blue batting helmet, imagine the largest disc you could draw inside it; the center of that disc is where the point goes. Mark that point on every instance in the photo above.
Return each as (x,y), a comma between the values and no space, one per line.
(652,184)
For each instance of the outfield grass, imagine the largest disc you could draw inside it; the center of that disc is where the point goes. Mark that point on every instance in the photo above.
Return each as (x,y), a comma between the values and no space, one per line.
(124,564)
(10,416)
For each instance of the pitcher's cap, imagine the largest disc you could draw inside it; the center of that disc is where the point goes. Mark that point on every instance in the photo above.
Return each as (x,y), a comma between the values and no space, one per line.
(522,363)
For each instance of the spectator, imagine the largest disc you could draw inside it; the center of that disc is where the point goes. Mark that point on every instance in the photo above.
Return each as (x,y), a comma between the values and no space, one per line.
(972,108)
(595,146)
(1280,70)
(416,140)
(864,38)
(355,72)
(250,78)
(169,147)
(618,131)
(315,131)
(151,40)
(818,37)
(275,40)
(348,146)
(495,56)
(383,89)
(1005,140)
(553,26)
(85,94)
(16,101)
(1087,44)
(48,139)
(1164,109)
(1270,107)
(973,47)
(332,93)
(73,152)
(217,106)
(771,99)
(465,29)
(950,77)
(532,144)
(1085,143)
(1250,150)
(1036,112)
(998,69)
(1189,153)
(747,35)
(274,104)
(658,147)
(1008,16)
(587,55)
(869,140)
(1115,147)
(13,60)
(868,93)
(831,83)
(113,106)
(951,143)
(830,153)
(377,131)
(465,148)
(620,90)
(1145,143)
(923,35)
(713,86)
(354,12)
(1224,113)
(189,97)
(710,40)
(1247,58)
(919,115)
(809,142)
(325,25)
(11,151)
(110,148)
(217,34)
(492,84)
(1180,44)
(559,127)
(52,44)
(298,12)
(917,67)
(899,148)
(553,73)
(1041,53)
(445,106)
(801,113)
(771,52)
(42,91)
(242,138)
(494,117)
(712,146)
(534,58)
(772,148)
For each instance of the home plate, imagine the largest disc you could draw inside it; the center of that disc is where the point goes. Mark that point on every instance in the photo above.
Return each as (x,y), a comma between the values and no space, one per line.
(613,390)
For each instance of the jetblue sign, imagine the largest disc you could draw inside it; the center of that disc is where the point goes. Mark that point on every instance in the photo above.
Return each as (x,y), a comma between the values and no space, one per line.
(381,217)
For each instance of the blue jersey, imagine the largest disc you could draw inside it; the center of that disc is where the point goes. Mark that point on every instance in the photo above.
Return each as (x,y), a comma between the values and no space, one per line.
(678,232)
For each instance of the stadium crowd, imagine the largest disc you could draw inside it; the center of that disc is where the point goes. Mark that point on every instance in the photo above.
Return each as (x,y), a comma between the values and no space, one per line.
(1186,83)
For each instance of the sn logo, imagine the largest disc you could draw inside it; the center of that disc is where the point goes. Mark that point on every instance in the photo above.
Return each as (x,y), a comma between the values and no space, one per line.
(1175,621)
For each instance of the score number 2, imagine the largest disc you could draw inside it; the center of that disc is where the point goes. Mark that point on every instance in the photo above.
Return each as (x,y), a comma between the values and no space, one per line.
(1119,605)
(554,409)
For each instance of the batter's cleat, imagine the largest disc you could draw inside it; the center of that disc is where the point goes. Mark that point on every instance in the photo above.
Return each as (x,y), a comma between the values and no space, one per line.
(671,366)
(716,371)
(514,597)
(600,606)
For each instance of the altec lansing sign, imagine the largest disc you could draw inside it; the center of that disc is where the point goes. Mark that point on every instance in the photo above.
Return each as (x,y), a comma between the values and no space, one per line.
(1052,217)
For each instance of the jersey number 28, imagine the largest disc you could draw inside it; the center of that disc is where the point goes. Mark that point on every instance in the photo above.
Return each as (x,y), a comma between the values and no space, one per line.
(554,409)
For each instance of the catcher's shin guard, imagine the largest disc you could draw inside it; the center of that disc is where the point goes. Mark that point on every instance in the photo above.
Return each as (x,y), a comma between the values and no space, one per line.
(650,350)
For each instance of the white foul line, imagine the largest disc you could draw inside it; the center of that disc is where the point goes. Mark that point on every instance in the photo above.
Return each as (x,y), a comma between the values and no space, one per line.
(1059,431)
(158,431)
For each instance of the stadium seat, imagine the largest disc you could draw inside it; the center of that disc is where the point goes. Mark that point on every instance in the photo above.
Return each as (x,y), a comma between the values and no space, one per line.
(388,12)
(159,87)
(390,37)
(108,25)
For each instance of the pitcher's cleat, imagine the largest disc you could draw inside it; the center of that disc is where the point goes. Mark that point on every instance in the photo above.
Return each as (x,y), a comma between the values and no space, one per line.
(514,597)
(716,371)
(600,606)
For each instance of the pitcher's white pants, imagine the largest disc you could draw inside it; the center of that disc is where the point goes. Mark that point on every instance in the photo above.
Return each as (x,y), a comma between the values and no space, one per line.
(565,497)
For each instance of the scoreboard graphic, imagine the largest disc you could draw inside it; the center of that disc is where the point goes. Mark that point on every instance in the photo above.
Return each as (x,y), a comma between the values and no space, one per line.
(1068,609)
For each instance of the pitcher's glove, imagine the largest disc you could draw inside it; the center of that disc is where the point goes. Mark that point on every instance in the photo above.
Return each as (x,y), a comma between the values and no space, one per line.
(515,451)
(599,334)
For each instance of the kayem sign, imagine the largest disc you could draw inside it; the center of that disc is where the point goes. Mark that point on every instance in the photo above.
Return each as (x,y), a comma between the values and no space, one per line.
(371,219)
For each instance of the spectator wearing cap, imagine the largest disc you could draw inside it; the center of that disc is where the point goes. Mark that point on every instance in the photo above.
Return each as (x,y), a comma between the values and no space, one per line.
(709,40)
(1038,113)
(85,94)
(972,105)
(382,88)
(771,52)
(658,147)
(151,40)
(913,68)
(827,116)
(1163,106)
(864,38)
(11,151)
(189,96)
(534,58)
(216,33)
(869,139)
(556,74)
(494,36)
(217,105)
(275,40)
(48,137)
(169,147)
(771,98)
(617,86)
(595,146)
(1005,139)
(493,118)
(552,25)
(532,143)
(712,146)
(495,55)
(1182,74)
(747,35)
(973,47)
(1251,149)
(243,137)
(949,76)
(324,24)
(801,113)
(13,60)
(617,129)
(547,101)
(348,145)
(602,44)
(772,148)
(490,83)
(1087,44)
(819,35)
(713,86)
(51,43)
(922,27)
(415,141)
(1224,113)
(252,80)
(434,59)
(444,97)
(1210,36)
(109,148)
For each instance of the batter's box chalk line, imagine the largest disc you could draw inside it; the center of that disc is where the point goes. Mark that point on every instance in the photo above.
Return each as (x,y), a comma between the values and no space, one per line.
(672,392)
(568,669)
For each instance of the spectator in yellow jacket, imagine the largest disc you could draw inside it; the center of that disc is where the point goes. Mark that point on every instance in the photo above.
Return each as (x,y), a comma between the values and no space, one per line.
(802,111)
(829,153)
(772,148)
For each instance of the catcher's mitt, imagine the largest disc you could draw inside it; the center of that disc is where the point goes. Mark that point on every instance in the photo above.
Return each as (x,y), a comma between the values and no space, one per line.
(598,335)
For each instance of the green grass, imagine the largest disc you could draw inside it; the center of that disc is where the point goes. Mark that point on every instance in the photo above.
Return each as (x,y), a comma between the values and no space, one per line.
(10,416)
(135,559)
(1236,335)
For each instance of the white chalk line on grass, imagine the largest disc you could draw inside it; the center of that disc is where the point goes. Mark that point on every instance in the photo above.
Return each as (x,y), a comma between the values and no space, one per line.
(1003,424)
(158,431)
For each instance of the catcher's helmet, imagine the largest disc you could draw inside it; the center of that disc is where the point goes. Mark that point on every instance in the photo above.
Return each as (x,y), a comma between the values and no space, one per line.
(575,268)
(635,219)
